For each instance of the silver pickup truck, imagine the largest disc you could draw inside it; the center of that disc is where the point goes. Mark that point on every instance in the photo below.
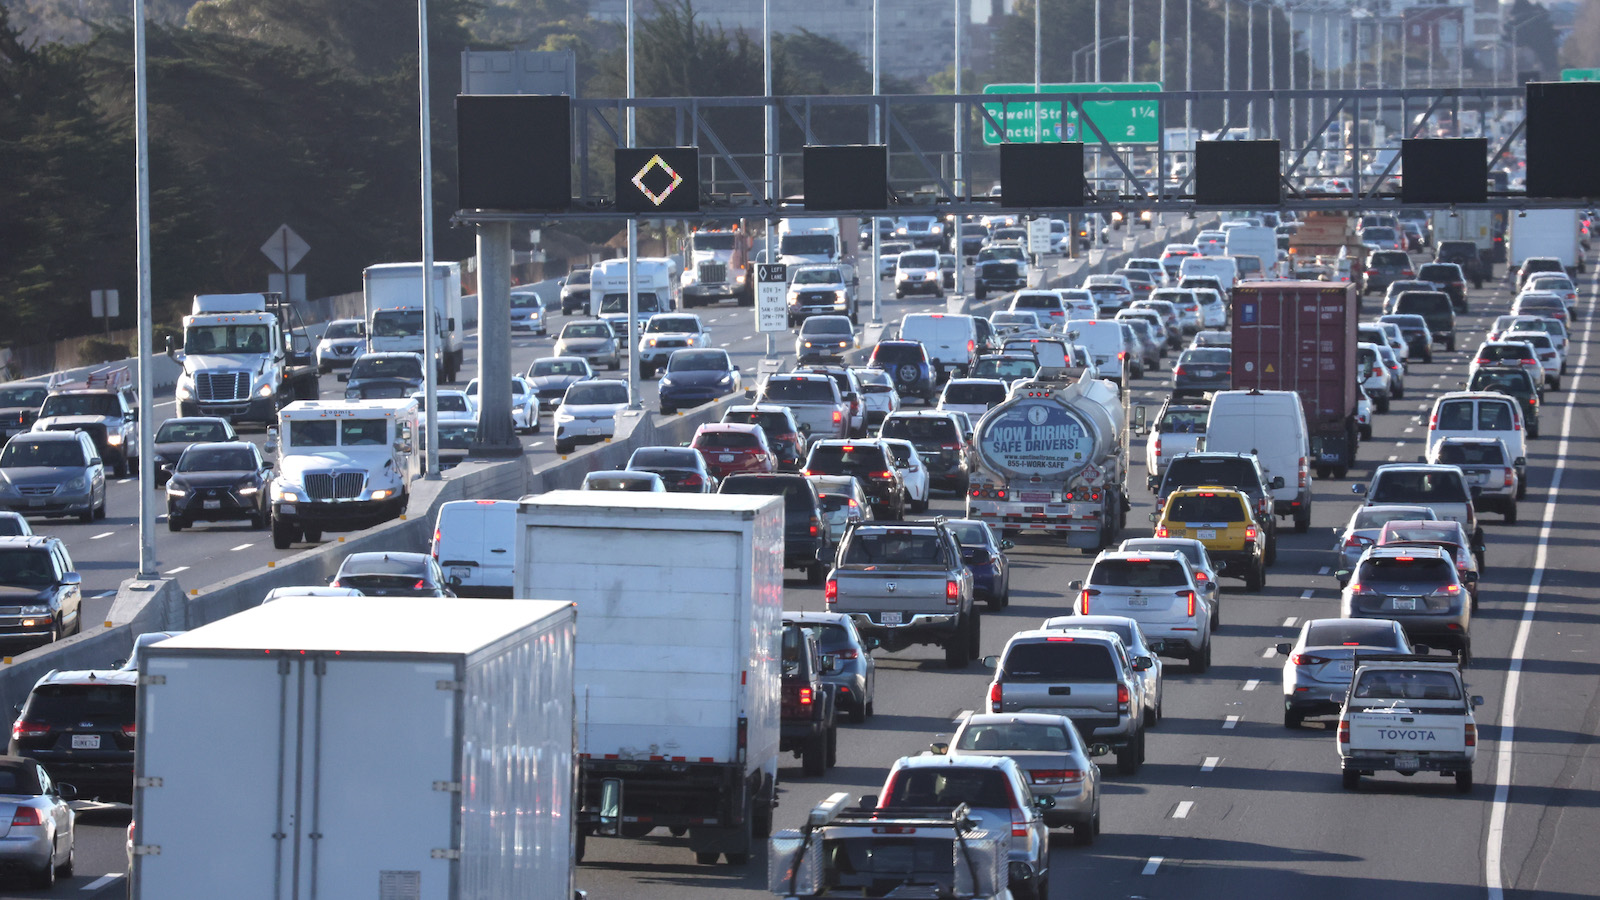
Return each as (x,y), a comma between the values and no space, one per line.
(905,584)
(1084,674)
(821,411)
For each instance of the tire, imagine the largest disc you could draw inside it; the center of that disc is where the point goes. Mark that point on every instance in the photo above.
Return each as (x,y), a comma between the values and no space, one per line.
(1292,720)
(260,522)
(975,635)
(1083,834)
(1555,384)
(956,655)
(668,410)
(1382,404)
(174,524)
(814,757)
(1130,759)
(833,745)
(1302,520)
(87,517)
(1451,346)
(1149,718)
(1533,431)
(761,812)
(1272,547)
(1366,435)
(1511,511)
(1351,779)
(1464,782)
(563,447)
(45,879)
(738,859)
(706,857)
(614,365)
(311,535)
(66,869)
(1201,662)
(100,511)
(121,468)
(858,712)
(1255,579)
(283,534)
(815,573)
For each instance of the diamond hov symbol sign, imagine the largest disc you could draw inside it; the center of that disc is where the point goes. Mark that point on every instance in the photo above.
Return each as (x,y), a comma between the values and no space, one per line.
(1121,121)
(653,180)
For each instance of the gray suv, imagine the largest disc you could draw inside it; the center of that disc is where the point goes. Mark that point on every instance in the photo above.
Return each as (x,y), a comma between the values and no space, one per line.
(43,593)
(53,473)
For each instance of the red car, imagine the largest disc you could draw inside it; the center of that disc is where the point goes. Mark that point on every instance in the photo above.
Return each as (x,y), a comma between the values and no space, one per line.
(731,448)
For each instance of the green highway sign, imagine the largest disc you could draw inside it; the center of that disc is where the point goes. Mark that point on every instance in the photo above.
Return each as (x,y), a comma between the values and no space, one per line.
(1121,121)
(1580,74)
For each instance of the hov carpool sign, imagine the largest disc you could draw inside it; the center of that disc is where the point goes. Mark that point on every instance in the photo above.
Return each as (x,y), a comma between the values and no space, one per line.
(772,289)
(1121,121)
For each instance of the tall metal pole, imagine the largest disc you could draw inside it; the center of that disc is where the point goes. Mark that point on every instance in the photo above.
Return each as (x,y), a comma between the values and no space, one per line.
(141,165)
(1130,41)
(1097,42)
(771,144)
(1293,120)
(877,138)
(430,339)
(1227,60)
(1272,78)
(1188,74)
(634,400)
(1161,44)
(1250,67)
(962,191)
(1038,56)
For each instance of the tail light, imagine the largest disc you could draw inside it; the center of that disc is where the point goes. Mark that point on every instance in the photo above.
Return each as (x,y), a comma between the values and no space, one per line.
(1407,273)
(1055,776)
(1192,598)
(995,694)
(1250,534)
(1083,600)
(846,653)
(130,731)
(1202,577)
(1344,731)
(1509,478)
(420,585)
(1158,440)
(1356,540)
(435,550)
(1122,354)
(691,481)
(1482,361)
(952,592)
(1449,590)
(25,729)
(1433,420)
(1178,370)
(1530,362)
(837,417)
(1303,471)
(971,346)
(1161,531)
(805,696)
(1471,735)
(26,815)
(1306,659)
(830,592)
(1123,698)
(885,475)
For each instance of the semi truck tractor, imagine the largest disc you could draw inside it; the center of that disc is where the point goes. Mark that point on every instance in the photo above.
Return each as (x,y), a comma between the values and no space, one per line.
(244,357)
(1053,458)
(718,268)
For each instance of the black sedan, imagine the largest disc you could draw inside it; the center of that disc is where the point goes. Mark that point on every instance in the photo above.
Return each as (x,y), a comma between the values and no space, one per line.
(218,482)
(383,376)
(384,574)
(177,435)
(1202,369)
(682,469)
(696,376)
(985,556)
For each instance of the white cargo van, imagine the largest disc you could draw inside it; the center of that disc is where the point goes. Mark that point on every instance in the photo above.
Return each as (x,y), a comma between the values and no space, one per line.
(474,543)
(1271,425)
(1102,338)
(1221,268)
(1258,241)
(951,340)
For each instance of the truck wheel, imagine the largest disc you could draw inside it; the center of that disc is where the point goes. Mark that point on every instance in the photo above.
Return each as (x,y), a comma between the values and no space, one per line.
(976,631)
(312,535)
(761,811)
(1292,719)
(283,534)
(1464,782)
(121,468)
(814,757)
(1352,779)
(174,523)
(1254,579)
(956,647)
(815,573)
(833,745)
(1511,510)
(133,464)
(563,447)
(1131,757)
(1302,520)
(706,857)
(1272,547)
(580,845)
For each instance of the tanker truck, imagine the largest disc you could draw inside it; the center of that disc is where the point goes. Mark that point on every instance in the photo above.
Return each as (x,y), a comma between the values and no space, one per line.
(1053,458)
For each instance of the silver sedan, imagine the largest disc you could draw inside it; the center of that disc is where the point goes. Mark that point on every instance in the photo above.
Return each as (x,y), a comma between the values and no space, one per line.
(39,841)
(1049,750)
(1322,662)
(1363,528)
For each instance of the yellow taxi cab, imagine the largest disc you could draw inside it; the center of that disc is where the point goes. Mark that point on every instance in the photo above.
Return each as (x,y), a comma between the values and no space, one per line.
(1220,518)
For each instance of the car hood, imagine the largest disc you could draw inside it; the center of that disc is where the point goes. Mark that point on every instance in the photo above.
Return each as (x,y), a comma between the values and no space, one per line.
(213,479)
(40,474)
(549,382)
(341,342)
(695,378)
(13,595)
(583,343)
(46,423)
(593,410)
(294,465)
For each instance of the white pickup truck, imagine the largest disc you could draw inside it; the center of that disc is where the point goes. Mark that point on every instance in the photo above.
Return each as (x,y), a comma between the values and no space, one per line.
(1407,714)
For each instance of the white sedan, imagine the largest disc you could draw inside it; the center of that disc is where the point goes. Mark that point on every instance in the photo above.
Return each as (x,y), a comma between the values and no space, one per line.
(524,403)
(912,472)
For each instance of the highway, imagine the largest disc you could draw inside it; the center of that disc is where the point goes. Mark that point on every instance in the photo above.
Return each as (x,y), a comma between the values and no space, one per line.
(1229,801)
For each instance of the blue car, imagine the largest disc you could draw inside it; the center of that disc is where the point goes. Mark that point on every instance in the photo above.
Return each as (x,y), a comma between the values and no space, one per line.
(985,556)
(696,376)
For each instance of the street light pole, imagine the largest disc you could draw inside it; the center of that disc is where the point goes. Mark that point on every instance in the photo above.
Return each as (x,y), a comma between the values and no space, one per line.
(141,167)
(1227,61)
(1097,44)
(1188,72)
(430,339)
(877,138)
(1130,41)
(962,191)
(770,126)
(1161,45)
(634,401)
(1250,67)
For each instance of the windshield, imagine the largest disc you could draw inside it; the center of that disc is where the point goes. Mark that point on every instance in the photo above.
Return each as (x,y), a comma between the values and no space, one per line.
(556,367)
(1504,381)
(826,325)
(699,361)
(26,568)
(1398,684)
(815,390)
(970,534)
(706,240)
(1010,367)
(846,459)
(1343,632)
(579,277)
(900,547)
(80,405)
(397,323)
(344,328)
(818,275)
(1059,661)
(525,301)
(346,432)
(950,786)
(21,451)
(457,435)
(226,339)
(208,459)
(22,396)
(1183,421)
(728,440)
(454,402)
(618,303)
(404,367)
(806,245)
(1419,487)
(974,392)
(191,432)
(793,489)
(1015,736)
(597,392)
(586,330)
(672,325)
(921,430)
(919,260)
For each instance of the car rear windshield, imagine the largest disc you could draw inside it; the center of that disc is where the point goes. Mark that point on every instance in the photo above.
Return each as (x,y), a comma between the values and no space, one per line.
(727,440)
(899,353)
(1435,272)
(23,396)
(384,564)
(1439,486)
(1036,301)
(1015,736)
(1513,381)
(853,459)
(1399,684)
(921,429)
(830,638)
(1183,421)
(1208,356)
(1012,367)
(902,547)
(1231,471)
(1205,508)
(803,390)
(1389,257)
(1134,573)
(80,405)
(1350,631)
(1407,570)
(1471,454)
(950,786)
(1377,517)
(1422,304)
(1060,660)
(796,495)
(1500,352)
(81,702)
(618,483)
(974,392)
(664,457)
(386,367)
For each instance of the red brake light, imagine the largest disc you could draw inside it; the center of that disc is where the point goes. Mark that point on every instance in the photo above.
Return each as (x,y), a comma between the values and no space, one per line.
(24,728)
(421,583)
(1191,603)
(1471,735)
(837,417)
(805,696)
(130,730)
(26,815)
(1250,533)
(830,592)
(1201,577)
(1123,697)
(1055,776)
(1306,659)
(1161,531)
(952,591)
(995,692)
(1344,732)
(435,550)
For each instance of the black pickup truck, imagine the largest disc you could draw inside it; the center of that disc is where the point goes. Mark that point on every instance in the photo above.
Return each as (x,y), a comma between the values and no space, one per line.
(809,725)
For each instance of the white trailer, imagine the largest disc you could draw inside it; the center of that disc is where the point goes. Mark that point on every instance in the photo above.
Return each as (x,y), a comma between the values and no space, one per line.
(359,747)
(1547,232)
(681,599)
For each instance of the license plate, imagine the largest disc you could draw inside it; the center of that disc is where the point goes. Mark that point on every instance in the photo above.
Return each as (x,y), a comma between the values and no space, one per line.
(211,504)
(891,618)
(1202,373)
(1205,534)
(286,508)
(1405,761)
(1033,509)
(86,742)
(1029,497)
(1346,667)
(1480,477)
(1138,601)
(725,457)
(596,429)
(460,572)
(35,501)
(1405,603)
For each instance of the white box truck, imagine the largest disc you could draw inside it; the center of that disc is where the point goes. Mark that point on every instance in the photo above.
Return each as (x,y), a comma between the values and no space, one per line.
(681,599)
(1547,232)
(393,293)
(374,748)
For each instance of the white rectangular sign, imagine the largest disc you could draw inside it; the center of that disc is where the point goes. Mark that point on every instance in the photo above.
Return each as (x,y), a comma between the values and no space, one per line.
(772,301)
(1039,236)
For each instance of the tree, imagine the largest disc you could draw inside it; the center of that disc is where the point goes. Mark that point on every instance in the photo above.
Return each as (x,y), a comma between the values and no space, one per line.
(1532,34)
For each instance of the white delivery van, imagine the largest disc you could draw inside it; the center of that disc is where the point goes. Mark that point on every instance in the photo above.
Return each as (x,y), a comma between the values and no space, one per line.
(1271,425)
(1102,338)
(1258,241)
(1221,268)
(474,543)
(1547,232)
(951,340)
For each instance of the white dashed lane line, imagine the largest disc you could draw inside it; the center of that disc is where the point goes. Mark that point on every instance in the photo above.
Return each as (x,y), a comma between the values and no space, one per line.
(1182,810)
(1152,865)
(1269,653)
(103,595)
(1306,595)
(1252,684)
(1231,722)
(101,882)
(103,534)
(1289,622)
(177,570)
(1324,570)
(243,547)
(1211,763)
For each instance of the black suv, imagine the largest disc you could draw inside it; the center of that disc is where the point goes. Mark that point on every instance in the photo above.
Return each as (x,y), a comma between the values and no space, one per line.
(871,463)
(809,725)
(1239,471)
(383,376)
(1465,254)
(939,441)
(220,481)
(1450,279)
(39,589)
(907,363)
(80,726)
(805,535)
(1434,307)
(1384,266)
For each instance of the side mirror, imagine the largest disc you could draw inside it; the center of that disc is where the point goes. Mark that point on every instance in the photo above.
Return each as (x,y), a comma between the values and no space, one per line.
(1045,802)
(450,323)
(871,643)
(70,792)
(95,461)
(737,369)
(1358,489)
(1343,575)
(939,748)
(1519,462)
(1007,545)
(830,663)
(1339,697)
(118,663)
(610,807)
(1142,663)
(1282,649)
(1140,426)
(343,377)
(1155,517)
(1421,649)
(1477,700)
(1075,586)
(868,801)
(1099,749)
(991,662)
(1277,483)
(71,578)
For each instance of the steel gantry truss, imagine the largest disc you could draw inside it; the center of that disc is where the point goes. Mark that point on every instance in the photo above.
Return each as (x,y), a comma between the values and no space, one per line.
(727,131)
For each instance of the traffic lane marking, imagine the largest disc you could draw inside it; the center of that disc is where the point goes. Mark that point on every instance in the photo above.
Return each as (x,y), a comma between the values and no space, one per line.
(102,881)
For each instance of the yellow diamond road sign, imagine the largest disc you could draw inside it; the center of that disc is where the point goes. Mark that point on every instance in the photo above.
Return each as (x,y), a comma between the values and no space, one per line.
(655,197)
